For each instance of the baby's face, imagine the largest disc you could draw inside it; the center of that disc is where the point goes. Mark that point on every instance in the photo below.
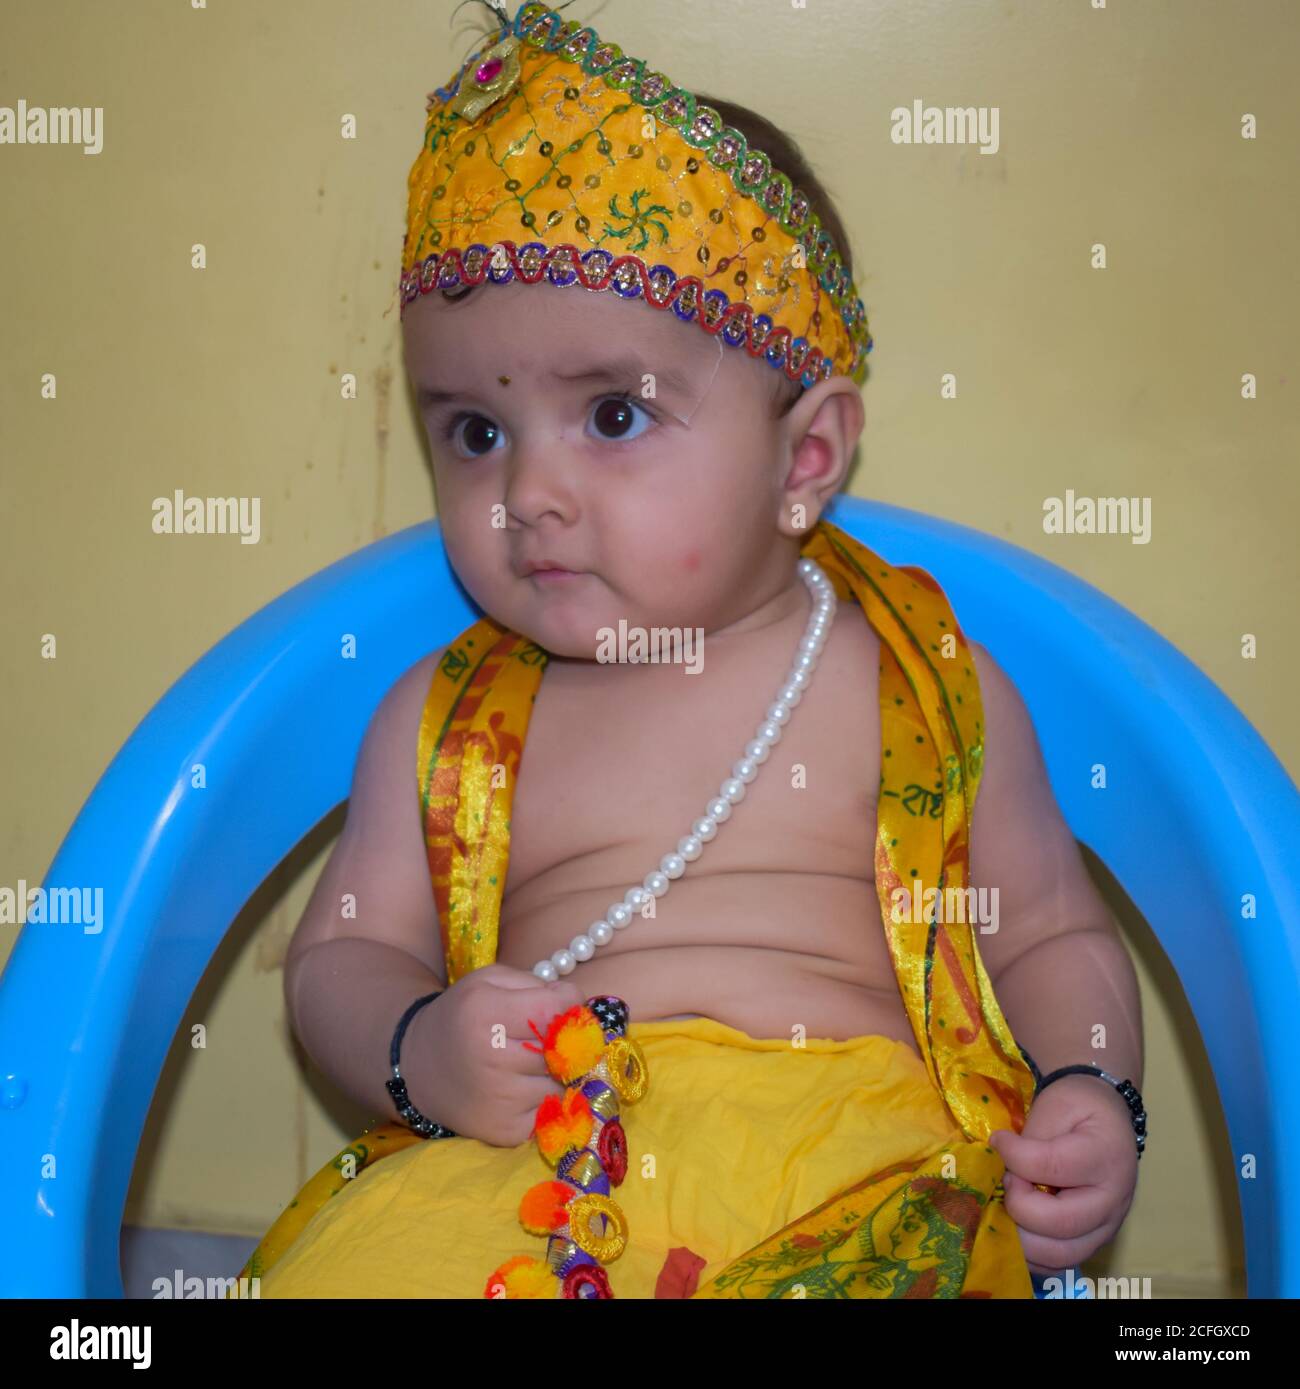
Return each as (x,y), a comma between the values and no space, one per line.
(663,523)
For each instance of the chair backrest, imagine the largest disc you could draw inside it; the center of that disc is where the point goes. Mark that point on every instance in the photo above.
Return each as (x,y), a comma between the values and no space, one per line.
(1198,813)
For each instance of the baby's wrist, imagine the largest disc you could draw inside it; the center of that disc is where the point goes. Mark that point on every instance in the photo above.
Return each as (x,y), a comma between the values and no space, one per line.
(1090,1083)
(419,1069)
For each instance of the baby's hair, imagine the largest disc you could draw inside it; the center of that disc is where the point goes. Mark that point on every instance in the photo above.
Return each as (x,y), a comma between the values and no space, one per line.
(786,156)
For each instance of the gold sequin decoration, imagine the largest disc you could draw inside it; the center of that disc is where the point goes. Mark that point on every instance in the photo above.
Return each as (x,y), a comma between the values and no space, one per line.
(605,1249)
(585,1169)
(605,1104)
(475,97)
(559,1252)
(625,1063)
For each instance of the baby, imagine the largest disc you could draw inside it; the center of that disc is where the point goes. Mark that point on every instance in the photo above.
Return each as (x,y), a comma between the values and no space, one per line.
(604,465)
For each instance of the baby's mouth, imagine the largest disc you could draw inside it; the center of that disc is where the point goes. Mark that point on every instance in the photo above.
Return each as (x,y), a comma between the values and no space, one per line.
(551,577)
(547,570)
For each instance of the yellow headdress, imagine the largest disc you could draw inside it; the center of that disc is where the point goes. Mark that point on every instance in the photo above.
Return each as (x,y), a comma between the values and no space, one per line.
(551,154)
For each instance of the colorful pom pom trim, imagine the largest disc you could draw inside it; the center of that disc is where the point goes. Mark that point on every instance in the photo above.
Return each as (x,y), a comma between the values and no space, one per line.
(580,1134)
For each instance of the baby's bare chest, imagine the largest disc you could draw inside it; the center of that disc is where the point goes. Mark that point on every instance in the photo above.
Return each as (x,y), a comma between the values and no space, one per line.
(622,769)
(615,773)
(777,923)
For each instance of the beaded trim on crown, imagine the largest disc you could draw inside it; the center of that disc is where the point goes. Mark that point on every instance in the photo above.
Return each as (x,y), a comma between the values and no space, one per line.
(763,218)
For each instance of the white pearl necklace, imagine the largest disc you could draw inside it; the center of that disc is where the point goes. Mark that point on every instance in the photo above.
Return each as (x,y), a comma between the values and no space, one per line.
(732,790)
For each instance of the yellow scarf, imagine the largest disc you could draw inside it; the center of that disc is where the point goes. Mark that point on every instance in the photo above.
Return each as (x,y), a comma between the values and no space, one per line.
(933,1228)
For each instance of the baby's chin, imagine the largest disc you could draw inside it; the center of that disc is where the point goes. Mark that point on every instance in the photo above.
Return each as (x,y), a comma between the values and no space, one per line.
(574,630)
(580,619)
(562,629)
(570,646)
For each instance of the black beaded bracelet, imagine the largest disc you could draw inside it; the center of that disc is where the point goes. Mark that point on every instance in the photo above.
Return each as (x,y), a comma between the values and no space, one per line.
(1126,1088)
(426,1128)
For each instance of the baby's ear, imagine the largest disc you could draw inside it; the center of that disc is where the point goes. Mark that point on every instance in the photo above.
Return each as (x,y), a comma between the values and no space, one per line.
(825,426)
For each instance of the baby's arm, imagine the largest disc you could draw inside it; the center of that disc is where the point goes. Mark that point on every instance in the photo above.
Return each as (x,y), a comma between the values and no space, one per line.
(1061,974)
(348,979)
(1068,991)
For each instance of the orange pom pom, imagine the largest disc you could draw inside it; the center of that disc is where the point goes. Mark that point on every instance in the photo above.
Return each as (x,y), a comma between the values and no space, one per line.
(573,1044)
(544,1207)
(522,1277)
(563,1122)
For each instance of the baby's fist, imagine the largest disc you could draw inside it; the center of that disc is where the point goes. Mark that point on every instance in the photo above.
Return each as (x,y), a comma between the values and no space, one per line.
(1079,1139)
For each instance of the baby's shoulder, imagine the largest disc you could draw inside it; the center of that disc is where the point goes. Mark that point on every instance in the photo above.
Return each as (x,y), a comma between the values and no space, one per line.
(388,749)
(404,702)
(1006,718)
(1013,760)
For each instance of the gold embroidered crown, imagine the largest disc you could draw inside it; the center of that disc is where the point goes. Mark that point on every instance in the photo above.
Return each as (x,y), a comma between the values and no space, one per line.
(615,178)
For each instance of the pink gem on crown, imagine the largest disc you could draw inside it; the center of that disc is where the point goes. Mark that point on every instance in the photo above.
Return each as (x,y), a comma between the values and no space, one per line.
(488,71)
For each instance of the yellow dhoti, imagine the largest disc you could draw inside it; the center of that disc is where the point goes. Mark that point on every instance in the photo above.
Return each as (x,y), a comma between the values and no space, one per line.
(736,1138)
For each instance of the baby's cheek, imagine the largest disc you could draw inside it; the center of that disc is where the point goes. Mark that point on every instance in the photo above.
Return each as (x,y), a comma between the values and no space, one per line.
(691,561)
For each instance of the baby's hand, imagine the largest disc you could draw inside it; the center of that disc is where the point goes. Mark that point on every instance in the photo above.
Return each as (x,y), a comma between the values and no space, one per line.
(1079,1138)
(486,1083)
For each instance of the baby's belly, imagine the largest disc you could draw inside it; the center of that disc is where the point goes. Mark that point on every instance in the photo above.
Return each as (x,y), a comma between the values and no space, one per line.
(762,996)
(774,955)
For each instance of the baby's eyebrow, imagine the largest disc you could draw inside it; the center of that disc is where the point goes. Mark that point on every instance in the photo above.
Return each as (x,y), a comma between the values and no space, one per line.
(622,372)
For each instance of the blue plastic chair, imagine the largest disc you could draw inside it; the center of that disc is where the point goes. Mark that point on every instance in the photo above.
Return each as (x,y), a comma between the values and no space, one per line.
(1199,812)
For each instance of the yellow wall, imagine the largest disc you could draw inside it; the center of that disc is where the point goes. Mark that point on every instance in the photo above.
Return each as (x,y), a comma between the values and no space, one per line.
(222,126)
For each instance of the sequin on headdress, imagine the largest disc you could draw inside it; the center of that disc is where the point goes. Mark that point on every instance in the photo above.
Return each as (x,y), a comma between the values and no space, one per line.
(551,154)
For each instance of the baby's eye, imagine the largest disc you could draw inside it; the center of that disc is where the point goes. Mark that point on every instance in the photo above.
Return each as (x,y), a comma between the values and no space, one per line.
(474,436)
(477,427)
(614,412)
